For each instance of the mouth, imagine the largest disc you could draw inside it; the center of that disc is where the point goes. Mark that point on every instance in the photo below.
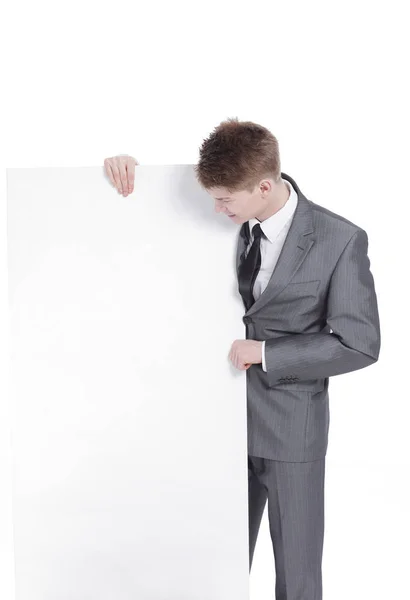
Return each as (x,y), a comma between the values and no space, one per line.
(231,216)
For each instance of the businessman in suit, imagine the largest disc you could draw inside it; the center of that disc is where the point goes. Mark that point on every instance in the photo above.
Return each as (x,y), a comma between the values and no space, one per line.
(310,313)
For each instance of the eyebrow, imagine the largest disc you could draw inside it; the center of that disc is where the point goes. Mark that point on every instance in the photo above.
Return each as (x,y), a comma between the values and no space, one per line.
(224,198)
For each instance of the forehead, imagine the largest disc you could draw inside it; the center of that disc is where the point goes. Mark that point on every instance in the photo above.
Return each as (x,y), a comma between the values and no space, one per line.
(220,193)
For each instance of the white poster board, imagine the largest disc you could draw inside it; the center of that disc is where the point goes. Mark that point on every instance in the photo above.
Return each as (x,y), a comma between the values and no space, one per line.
(128,419)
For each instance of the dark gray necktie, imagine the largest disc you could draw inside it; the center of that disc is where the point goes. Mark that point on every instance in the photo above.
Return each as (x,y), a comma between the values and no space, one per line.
(249,268)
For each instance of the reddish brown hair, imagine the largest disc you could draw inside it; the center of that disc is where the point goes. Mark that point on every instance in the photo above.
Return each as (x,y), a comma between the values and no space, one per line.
(237,155)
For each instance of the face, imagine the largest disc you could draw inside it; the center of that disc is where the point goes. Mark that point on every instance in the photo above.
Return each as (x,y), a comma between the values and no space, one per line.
(242,206)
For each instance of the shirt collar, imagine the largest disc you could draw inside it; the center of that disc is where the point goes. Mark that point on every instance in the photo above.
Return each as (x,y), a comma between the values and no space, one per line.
(272,226)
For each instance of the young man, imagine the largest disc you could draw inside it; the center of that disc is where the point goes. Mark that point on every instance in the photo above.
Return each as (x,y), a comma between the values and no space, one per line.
(310,312)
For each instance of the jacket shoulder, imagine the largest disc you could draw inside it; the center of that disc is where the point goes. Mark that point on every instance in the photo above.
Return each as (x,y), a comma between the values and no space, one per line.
(332,222)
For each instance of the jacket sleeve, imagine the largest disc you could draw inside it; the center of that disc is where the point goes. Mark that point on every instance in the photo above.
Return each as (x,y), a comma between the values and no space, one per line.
(353,318)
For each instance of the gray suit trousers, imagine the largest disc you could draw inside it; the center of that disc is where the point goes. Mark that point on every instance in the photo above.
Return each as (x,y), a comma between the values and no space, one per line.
(295,495)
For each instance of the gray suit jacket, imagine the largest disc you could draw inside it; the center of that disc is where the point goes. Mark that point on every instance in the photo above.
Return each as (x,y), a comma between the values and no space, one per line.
(319,317)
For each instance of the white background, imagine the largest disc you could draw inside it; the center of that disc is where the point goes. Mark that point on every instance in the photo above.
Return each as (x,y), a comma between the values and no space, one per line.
(89,80)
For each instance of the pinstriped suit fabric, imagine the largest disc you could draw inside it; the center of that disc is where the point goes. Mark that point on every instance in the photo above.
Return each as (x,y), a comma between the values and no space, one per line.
(319,317)
(295,494)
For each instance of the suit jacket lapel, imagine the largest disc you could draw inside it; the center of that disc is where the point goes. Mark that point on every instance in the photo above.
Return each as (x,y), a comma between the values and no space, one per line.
(297,245)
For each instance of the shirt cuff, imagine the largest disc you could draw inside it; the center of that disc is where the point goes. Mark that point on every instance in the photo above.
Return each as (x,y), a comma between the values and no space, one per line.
(263,357)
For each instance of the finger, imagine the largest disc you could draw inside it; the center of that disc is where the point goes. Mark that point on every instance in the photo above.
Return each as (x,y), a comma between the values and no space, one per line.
(108,170)
(116,174)
(232,355)
(123,175)
(130,168)
(237,360)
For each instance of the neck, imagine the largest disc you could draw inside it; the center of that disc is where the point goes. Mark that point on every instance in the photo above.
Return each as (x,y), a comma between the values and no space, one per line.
(278,199)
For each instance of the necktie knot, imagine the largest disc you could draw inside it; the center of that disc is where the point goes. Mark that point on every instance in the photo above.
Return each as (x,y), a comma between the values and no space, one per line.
(257,231)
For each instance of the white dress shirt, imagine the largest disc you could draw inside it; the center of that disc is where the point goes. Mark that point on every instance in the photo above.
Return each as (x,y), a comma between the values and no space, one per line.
(275,228)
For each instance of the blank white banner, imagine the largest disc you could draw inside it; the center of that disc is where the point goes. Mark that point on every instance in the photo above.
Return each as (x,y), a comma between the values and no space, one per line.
(128,419)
